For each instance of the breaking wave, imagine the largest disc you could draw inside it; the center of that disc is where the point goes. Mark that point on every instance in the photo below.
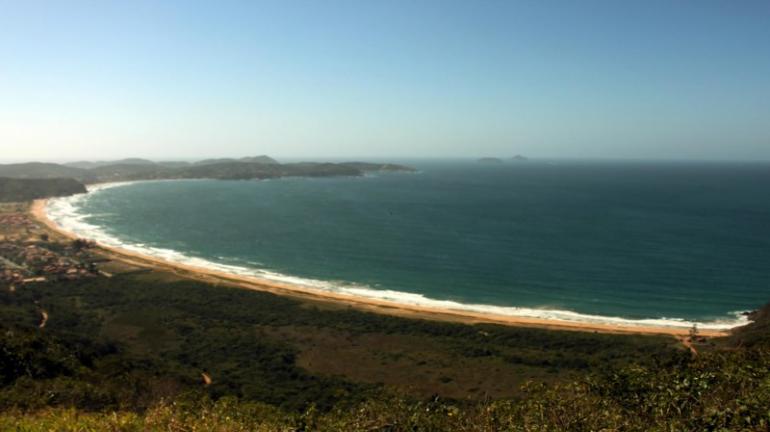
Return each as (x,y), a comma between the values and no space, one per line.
(66,213)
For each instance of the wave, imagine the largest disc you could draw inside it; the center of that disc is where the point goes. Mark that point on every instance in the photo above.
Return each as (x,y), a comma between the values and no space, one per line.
(66,213)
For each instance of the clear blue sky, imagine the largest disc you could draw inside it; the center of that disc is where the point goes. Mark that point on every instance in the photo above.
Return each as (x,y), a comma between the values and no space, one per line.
(162,79)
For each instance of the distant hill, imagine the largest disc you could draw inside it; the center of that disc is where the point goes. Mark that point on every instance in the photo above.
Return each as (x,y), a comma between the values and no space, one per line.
(215,161)
(257,167)
(91,165)
(123,172)
(231,170)
(237,170)
(263,159)
(44,170)
(16,189)
(312,169)
(82,164)
(173,164)
(520,158)
(491,160)
(370,167)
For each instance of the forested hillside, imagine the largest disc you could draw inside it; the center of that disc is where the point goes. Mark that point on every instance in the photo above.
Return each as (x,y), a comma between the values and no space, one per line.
(258,167)
(129,352)
(15,189)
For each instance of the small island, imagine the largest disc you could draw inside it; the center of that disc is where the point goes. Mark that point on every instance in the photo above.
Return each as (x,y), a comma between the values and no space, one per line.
(519,158)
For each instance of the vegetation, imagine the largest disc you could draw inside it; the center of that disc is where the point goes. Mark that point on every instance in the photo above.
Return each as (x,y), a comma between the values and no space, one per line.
(15,190)
(373,167)
(39,170)
(135,350)
(250,342)
(127,353)
(96,164)
(256,159)
(756,334)
(717,391)
(258,167)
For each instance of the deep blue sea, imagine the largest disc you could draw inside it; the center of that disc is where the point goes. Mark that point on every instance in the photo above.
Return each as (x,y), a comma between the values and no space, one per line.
(637,242)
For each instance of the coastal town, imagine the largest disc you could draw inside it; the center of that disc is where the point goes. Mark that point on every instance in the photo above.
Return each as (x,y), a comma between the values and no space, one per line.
(28,255)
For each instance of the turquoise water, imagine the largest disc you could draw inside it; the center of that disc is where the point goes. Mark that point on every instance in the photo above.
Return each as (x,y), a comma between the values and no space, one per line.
(663,241)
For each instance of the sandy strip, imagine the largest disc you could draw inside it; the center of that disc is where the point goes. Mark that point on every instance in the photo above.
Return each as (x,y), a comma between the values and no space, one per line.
(373,305)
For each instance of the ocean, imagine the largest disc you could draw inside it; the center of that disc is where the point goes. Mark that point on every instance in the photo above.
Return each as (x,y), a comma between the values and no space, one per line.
(632,243)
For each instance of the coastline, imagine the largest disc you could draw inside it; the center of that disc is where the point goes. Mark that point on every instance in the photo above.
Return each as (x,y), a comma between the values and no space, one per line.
(38,211)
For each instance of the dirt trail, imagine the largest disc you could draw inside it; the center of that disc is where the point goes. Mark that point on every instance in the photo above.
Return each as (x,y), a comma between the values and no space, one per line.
(44,320)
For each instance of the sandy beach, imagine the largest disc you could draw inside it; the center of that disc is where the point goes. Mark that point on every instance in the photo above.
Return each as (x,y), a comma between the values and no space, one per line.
(38,211)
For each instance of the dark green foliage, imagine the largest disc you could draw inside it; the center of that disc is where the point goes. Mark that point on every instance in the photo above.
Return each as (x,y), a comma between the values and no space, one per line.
(258,167)
(90,165)
(17,190)
(127,172)
(182,338)
(33,356)
(38,370)
(254,159)
(719,391)
(367,167)
(133,341)
(240,309)
(33,170)
(758,333)
(251,368)
(189,327)
(722,389)
(232,171)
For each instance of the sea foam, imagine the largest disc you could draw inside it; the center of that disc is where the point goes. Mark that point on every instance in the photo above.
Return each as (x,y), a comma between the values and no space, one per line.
(66,212)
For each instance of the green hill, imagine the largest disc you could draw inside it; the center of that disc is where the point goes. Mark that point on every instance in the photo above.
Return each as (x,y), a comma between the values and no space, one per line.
(231,171)
(263,159)
(375,167)
(17,190)
(90,165)
(127,172)
(44,170)
(258,167)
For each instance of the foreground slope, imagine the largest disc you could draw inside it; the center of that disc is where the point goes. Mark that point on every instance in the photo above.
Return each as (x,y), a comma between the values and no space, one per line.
(119,347)
(716,390)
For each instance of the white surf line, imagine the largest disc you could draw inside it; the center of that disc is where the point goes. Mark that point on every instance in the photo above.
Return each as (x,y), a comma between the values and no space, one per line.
(64,212)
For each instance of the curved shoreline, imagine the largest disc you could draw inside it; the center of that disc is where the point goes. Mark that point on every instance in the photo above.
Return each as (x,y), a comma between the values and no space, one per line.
(38,211)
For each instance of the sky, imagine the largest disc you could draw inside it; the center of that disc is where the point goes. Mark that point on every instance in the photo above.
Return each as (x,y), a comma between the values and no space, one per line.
(390,78)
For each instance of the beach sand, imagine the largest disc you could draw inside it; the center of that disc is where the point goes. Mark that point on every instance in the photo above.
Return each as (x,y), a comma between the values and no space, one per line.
(38,211)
